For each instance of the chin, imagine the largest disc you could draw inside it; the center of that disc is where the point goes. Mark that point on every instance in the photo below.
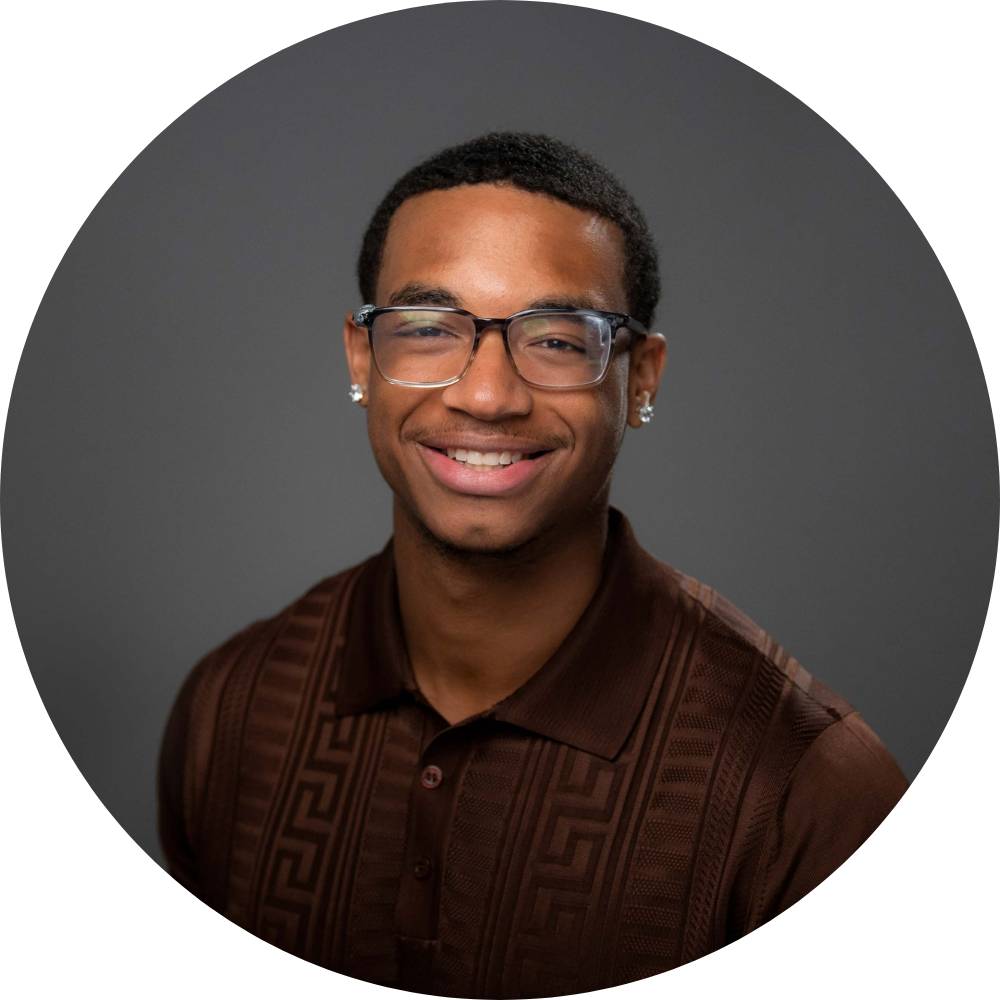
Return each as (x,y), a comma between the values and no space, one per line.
(475,535)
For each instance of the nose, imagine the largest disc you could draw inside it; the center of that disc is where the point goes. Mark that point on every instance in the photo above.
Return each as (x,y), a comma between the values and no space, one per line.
(490,389)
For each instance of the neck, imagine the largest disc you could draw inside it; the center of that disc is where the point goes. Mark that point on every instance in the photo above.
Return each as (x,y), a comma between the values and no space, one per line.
(477,626)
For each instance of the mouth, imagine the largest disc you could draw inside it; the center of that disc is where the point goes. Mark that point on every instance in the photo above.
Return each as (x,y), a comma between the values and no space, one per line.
(484,473)
(488,459)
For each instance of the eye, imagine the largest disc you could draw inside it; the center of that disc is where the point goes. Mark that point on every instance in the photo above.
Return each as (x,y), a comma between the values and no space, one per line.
(557,344)
(427,331)
(556,335)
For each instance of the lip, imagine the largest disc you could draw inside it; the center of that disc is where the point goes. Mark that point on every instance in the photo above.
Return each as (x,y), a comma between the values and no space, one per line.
(526,446)
(492,481)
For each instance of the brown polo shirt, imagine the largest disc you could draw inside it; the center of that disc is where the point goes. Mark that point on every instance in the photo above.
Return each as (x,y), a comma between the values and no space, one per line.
(669,780)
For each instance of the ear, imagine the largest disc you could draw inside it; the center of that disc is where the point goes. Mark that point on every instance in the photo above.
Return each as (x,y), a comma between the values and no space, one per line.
(358,354)
(647,360)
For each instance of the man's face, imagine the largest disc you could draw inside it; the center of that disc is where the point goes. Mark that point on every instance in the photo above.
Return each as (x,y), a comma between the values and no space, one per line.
(495,250)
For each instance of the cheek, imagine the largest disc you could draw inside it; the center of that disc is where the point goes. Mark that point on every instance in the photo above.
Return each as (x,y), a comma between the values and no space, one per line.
(614,403)
(599,426)
(614,416)
(389,409)
(380,423)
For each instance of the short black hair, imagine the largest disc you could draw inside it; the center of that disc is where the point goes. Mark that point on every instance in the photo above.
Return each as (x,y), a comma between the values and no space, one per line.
(533,162)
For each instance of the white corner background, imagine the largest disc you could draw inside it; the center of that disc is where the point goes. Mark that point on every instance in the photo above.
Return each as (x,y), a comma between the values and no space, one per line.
(912,86)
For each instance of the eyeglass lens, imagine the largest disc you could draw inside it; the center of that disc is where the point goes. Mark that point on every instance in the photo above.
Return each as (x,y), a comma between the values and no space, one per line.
(424,346)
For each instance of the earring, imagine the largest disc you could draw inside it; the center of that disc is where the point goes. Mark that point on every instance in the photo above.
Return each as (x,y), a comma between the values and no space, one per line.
(356,393)
(645,409)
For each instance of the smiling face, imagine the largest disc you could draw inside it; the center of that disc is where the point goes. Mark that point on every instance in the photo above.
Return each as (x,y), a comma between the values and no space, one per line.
(495,250)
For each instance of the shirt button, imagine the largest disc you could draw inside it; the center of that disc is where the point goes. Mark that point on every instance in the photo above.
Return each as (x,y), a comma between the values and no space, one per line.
(431,776)
(422,868)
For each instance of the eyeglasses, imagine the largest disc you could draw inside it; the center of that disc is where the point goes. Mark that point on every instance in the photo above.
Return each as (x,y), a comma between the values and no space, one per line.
(431,347)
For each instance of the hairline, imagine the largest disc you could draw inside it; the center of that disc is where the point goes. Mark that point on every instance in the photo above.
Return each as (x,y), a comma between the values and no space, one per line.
(621,236)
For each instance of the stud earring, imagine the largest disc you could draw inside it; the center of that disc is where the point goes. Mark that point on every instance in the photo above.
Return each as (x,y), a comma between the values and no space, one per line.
(645,409)
(356,393)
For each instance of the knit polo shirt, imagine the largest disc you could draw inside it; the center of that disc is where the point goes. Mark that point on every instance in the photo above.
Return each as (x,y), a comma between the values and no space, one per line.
(668,781)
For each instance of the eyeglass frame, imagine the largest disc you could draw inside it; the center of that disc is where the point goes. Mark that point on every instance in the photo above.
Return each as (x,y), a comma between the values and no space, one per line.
(366,315)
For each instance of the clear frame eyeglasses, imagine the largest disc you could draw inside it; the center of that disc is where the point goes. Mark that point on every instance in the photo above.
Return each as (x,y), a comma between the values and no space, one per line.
(432,346)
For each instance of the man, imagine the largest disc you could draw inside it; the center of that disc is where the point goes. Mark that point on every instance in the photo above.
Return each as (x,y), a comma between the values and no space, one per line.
(513,754)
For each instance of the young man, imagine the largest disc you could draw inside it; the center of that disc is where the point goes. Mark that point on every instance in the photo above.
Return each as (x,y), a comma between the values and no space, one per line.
(513,754)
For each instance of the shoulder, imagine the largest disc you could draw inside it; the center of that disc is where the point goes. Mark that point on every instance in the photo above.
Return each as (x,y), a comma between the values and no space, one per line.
(840,789)
(216,691)
(296,622)
(727,636)
(197,767)
(809,745)
(799,778)
(846,768)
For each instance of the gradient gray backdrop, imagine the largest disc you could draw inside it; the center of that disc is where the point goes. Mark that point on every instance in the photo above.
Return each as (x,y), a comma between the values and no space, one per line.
(181,456)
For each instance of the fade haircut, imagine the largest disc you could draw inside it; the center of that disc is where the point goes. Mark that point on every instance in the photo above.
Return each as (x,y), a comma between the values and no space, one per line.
(532,162)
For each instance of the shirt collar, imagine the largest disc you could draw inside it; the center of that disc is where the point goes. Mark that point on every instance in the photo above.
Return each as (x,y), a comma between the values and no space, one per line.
(591,690)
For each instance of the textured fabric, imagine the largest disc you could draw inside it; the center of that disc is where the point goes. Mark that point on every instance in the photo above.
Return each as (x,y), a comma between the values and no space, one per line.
(669,780)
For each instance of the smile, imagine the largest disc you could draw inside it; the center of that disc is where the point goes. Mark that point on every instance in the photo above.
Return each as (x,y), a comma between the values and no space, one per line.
(485,458)
(483,473)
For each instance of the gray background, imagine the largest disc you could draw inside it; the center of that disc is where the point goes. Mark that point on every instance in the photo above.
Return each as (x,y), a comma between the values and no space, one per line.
(180,455)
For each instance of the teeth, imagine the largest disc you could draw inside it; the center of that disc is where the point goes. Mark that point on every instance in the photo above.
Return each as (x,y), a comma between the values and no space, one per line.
(484,457)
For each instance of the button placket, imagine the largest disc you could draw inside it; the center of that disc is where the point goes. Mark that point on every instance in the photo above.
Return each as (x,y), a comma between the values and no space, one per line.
(435,785)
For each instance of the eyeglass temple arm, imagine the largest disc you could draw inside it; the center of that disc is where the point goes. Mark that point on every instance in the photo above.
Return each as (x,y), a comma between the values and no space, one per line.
(624,322)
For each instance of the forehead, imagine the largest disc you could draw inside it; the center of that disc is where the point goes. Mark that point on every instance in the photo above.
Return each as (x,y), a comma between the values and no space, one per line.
(502,247)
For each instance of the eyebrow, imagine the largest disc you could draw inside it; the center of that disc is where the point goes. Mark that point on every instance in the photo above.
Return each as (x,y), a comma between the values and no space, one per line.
(416,294)
(577,302)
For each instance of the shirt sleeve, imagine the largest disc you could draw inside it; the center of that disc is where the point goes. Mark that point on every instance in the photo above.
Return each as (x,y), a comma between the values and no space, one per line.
(842,788)
(199,767)
(188,748)
(175,820)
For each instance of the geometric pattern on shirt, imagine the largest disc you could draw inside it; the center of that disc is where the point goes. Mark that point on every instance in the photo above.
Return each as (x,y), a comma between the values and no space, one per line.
(318,816)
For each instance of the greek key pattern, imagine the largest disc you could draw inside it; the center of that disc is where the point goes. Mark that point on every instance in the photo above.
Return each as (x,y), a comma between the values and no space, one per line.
(559,869)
